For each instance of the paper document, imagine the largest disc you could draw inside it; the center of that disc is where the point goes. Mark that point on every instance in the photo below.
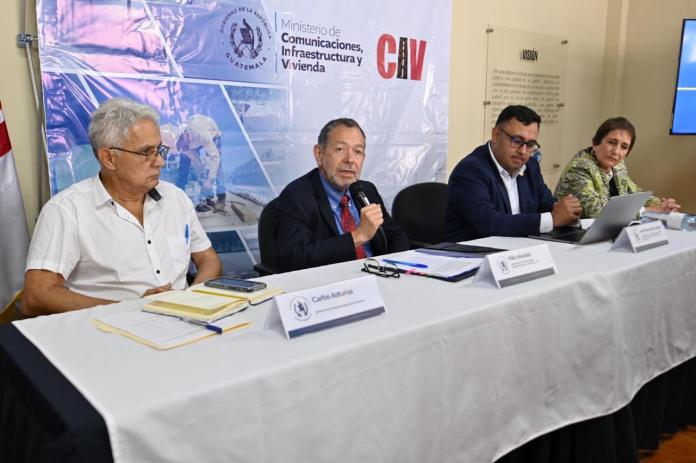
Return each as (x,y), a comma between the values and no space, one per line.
(161,331)
(431,265)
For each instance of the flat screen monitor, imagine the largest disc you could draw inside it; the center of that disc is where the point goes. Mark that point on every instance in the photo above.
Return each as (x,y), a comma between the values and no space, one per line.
(684,107)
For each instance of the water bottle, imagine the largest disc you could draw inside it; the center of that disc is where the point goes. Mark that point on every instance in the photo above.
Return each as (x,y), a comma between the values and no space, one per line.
(674,220)
(688,223)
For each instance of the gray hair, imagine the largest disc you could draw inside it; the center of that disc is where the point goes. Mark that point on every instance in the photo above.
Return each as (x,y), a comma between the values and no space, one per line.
(323,137)
(114,118)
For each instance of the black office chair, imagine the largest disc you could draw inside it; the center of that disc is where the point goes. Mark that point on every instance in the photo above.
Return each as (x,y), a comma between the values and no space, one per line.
(267,240)
(420,211)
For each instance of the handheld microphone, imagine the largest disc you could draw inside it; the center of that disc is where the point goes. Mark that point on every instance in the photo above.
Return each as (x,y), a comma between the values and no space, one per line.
(357,192)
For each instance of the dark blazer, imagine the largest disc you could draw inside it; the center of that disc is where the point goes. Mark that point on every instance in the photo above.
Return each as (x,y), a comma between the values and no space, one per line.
(478,203)
(307,233)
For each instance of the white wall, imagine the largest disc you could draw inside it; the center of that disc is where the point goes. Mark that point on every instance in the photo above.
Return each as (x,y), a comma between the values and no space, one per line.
(582,23)
(659,161)
(18,103)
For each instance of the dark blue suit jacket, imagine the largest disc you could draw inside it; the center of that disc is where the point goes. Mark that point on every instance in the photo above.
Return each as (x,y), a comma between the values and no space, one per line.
(478,203)
(307,233)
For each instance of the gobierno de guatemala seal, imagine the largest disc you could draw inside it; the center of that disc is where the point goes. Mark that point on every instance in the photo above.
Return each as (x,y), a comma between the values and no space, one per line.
(503,264)
(300,309)
(248,35)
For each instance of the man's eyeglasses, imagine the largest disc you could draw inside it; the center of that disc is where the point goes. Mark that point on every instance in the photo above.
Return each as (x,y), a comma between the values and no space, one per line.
(385,270)
(160,150)
(516,142)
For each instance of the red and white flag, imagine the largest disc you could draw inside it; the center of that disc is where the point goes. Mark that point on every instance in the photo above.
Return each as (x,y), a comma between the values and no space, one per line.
(13,222)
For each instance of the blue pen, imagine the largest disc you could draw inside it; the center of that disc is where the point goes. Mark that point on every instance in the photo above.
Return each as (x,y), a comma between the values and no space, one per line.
(193,321)
(205,325)
(214,328)
(410,264)
(186,233)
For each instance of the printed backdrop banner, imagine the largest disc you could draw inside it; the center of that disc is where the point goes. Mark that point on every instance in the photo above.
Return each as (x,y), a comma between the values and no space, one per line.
(243,89)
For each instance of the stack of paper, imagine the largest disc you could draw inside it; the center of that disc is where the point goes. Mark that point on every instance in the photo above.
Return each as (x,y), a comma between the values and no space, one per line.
(434,266)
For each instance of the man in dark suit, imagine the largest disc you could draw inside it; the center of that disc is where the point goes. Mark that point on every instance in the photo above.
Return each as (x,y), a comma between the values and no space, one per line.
(318,222)
(494,191)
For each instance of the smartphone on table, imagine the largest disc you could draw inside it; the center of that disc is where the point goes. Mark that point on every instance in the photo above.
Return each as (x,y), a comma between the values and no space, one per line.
(235,284)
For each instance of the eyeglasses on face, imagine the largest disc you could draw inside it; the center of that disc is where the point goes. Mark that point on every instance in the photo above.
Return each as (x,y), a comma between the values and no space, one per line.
(516,142)
(159,150)
(385,270)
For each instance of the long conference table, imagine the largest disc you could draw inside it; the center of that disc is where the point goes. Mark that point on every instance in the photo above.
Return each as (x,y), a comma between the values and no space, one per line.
(453,372)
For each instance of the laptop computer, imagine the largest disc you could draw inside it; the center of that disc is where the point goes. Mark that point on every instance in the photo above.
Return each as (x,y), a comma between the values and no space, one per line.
(619,212)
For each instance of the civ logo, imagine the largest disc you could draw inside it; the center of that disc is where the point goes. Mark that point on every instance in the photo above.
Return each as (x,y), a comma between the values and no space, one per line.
(410,51)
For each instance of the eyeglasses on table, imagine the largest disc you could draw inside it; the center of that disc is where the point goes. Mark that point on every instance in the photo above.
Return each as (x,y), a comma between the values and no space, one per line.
(381,269)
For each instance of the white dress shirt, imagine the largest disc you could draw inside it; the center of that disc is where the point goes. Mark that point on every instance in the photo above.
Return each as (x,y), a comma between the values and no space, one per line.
(510,182)
(102,250)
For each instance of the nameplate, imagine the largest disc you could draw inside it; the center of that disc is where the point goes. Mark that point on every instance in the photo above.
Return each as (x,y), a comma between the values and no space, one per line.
(642,237)
(324,307)
(517,266)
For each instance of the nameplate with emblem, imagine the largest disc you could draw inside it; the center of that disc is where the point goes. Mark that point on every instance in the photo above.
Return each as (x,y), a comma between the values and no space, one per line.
(324,307)
(517,266)
(642,237)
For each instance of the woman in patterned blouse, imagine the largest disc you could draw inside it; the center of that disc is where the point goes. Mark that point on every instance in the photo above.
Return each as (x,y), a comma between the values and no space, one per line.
(599,172)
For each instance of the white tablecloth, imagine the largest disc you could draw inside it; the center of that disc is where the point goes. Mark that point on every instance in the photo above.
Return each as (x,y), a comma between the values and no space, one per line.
(453,372)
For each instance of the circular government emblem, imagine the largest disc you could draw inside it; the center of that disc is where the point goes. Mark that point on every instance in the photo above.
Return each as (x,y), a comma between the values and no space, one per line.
(300,309)
(503,264)
(247,36)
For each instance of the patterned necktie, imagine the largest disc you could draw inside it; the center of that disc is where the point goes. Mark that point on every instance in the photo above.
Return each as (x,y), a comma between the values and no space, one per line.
(348,224)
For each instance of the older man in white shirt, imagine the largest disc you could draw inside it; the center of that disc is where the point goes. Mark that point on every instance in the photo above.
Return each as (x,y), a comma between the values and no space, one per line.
(122,234)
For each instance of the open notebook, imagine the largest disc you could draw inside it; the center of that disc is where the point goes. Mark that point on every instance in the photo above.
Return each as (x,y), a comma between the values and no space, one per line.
(167,319)
(161,332)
